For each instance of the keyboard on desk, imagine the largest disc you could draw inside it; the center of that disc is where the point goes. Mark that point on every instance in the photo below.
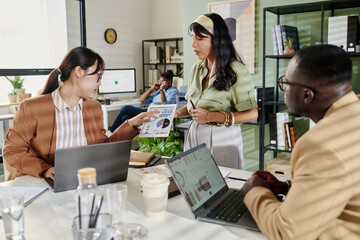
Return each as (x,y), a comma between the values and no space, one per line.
(230,209)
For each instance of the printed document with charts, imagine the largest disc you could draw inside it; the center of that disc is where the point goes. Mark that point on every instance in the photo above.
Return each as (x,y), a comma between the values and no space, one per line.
(161,126)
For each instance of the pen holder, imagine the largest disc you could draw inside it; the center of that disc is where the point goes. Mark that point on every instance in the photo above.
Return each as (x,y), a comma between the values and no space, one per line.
(101,231)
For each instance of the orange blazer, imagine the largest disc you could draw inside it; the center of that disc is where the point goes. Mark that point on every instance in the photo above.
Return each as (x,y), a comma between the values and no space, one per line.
(31,140)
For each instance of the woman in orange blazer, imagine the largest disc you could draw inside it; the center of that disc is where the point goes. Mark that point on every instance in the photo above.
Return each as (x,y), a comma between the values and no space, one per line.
(64,115)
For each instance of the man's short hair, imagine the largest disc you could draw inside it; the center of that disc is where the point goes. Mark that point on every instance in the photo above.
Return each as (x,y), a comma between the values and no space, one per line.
(327,63)
(168,75)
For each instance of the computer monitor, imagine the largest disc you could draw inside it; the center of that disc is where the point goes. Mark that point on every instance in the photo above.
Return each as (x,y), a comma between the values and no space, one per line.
(118,83)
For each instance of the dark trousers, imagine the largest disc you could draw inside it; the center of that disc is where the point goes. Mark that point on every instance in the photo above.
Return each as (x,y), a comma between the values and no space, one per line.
(126,112)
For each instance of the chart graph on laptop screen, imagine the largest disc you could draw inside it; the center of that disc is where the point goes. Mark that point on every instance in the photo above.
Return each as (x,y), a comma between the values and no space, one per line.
(115,82)
(198,176)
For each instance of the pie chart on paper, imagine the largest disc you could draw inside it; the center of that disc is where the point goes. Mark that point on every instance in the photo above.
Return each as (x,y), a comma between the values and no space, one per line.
(163,123)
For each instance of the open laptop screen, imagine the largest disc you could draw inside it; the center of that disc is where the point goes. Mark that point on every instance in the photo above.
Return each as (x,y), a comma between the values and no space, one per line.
(197,175)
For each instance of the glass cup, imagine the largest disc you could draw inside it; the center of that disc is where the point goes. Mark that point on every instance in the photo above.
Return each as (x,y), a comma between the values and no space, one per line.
(131,231)
(155,194)
(101,231)
(115,202)
(12,209)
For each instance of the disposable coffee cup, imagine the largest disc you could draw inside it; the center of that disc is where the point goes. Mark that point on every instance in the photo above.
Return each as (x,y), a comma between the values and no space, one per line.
(155,194)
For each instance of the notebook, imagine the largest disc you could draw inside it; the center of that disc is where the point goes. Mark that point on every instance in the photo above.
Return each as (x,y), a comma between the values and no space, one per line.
(205,190)
(111,161)
(142,159)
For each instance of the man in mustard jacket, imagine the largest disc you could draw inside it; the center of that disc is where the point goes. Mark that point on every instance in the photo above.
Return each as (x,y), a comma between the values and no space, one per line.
(323,201)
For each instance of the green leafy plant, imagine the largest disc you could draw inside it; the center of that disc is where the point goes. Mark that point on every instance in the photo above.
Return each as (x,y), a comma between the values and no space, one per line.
(169,146)
(12,93)
(16,82)
(289,41)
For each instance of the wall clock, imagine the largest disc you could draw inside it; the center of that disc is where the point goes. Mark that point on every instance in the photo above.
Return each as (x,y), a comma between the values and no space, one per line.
(110,35)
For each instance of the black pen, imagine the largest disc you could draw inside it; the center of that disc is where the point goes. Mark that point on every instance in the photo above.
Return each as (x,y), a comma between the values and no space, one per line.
(192,104)
(235,178)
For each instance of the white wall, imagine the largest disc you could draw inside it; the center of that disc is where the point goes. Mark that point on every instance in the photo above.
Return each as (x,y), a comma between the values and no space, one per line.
(166,18)
(133,20)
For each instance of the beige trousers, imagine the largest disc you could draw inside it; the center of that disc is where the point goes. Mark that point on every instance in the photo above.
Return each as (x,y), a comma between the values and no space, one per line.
(225,143)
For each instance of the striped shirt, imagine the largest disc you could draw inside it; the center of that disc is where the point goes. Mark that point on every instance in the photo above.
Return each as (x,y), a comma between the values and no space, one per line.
(70,131)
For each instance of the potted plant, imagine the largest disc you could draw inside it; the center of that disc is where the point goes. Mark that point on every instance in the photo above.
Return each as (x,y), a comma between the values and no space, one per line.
(289,49)
(12,97)
(169,146)
(17,83)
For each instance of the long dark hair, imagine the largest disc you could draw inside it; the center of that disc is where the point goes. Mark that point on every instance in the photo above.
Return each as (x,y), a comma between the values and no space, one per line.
(224,51)
(79,56)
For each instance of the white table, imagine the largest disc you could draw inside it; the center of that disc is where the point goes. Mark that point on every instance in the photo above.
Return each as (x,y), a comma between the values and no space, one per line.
(50,215)
(116,106)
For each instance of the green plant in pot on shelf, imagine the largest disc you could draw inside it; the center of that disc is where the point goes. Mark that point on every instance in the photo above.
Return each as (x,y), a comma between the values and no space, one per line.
(289,49)
(12,97)
(170,146)
(17,83)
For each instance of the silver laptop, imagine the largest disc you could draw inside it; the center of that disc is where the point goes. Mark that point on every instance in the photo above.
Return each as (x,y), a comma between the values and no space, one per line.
(111,161)
(205,190)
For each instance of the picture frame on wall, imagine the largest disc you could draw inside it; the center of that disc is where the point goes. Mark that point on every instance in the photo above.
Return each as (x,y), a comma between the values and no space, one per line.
(239,16)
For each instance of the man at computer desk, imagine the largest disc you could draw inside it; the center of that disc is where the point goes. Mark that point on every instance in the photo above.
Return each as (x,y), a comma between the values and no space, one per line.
(323,199)
(160,93)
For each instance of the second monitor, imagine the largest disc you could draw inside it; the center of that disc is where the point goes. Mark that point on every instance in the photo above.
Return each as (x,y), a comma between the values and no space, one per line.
(118,83)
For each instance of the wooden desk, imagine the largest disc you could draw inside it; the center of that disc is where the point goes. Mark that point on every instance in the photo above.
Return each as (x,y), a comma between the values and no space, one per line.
(50,215)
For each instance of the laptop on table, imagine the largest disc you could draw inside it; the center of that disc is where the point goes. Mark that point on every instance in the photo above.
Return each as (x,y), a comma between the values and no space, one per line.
(111,161)
(205,190)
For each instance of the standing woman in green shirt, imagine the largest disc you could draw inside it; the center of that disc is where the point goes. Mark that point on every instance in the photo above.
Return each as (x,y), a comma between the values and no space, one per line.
(222,92)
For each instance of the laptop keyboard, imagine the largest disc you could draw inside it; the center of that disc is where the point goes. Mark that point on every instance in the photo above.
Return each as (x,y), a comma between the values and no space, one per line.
(230,209)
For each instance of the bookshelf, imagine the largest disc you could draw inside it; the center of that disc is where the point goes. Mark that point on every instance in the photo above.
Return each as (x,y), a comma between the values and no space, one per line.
(278,12)
(163,65)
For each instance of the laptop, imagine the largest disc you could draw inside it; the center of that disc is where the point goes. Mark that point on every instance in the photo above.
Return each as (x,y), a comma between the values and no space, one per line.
(111,161)
(205,190)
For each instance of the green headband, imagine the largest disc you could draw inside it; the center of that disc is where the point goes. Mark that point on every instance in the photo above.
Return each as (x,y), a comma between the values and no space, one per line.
(206,23)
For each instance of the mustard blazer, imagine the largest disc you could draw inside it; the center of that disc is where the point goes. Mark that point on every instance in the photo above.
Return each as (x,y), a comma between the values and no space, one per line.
(324,199)
(31,140)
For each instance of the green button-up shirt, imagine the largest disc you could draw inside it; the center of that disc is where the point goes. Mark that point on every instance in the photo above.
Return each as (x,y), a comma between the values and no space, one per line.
(240,96)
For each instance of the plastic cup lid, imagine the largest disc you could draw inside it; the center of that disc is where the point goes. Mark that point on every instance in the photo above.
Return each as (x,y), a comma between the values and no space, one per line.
(155,178)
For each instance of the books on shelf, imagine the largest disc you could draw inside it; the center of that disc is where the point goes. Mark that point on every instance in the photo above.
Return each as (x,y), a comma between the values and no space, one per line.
(290,32)
(169,52)
(153,76)
(344,32)
(156,54)
(272,128)
(274,41)
(282,132)
(150,78)
(279,40)
(293,136)
(279,34)
(281,118)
